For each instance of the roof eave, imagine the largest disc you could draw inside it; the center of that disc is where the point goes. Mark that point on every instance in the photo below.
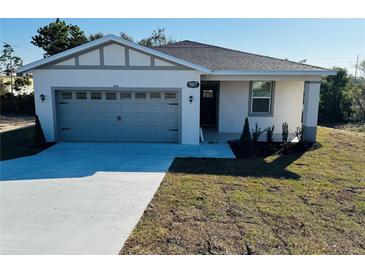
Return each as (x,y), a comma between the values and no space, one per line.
(274,72)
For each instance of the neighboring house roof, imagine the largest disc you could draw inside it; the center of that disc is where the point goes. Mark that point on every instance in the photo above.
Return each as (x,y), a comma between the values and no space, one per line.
(202,57)
(218,59)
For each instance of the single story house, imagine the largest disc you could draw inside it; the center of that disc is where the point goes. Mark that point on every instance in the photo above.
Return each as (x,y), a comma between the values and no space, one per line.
(112,89)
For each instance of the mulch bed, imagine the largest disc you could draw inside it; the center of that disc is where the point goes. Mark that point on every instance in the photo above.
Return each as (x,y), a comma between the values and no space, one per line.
(263,149)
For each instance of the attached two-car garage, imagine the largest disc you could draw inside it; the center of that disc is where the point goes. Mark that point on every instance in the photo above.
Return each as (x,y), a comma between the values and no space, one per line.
(117,115)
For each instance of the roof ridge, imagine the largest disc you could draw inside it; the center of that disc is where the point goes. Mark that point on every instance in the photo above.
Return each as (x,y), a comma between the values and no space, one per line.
(245,52)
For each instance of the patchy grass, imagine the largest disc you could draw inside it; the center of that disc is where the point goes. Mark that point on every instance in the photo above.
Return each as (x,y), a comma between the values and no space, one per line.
(293,204)
(351,127)
(18,143)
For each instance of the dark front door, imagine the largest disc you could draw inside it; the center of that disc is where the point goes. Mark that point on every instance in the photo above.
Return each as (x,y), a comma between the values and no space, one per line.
(208,104)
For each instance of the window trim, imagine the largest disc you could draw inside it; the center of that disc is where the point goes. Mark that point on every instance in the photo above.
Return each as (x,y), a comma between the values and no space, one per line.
(271,102)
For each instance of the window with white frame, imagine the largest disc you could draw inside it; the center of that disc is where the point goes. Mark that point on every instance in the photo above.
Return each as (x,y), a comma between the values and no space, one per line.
(261,97)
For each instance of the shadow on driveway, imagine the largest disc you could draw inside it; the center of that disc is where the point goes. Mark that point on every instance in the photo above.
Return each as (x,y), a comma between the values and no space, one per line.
(79,159)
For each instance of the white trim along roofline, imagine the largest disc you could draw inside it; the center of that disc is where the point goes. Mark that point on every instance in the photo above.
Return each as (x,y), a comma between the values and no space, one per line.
(274,72)
(111,37)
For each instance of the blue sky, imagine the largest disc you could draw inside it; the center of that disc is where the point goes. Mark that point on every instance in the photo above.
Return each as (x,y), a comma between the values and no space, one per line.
(323,42)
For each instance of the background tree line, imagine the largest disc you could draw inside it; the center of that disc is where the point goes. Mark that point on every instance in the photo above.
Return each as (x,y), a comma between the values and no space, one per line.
(342,96)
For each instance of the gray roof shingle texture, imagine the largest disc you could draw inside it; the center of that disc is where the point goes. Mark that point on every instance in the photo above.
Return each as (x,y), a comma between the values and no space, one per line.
(218,58)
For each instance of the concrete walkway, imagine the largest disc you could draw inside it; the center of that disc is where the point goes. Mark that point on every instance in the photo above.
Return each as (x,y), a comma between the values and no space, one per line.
(83,198)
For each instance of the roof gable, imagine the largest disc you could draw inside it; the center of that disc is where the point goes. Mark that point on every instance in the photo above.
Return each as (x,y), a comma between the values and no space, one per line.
(89,54)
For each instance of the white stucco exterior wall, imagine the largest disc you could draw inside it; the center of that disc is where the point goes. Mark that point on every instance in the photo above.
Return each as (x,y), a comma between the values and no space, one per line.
(310,113)
(234,107)
(311,101)
(45,80)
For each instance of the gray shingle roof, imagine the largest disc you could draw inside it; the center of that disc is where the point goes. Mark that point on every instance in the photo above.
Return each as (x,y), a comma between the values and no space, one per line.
(218,58)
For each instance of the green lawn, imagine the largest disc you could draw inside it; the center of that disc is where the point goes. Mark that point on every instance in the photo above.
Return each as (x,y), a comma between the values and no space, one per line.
(18,143)
(295,204)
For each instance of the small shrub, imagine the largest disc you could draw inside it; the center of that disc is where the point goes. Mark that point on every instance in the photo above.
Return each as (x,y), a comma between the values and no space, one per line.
(245,140)
(246,135)
(285,132)
(299,134)
(39,139)
(256,133)
(269,134)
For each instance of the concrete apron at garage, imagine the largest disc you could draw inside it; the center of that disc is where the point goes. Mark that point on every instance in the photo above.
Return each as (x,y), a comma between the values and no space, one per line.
(83,198)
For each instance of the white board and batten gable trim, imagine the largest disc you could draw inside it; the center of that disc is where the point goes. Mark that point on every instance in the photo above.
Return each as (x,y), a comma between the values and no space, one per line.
(114,40)
(138,59)
(159,62)
(114,55)
(91,58)
(67,62)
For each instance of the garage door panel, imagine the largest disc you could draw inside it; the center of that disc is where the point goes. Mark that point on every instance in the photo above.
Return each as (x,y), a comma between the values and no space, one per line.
(170,108)
(150,119)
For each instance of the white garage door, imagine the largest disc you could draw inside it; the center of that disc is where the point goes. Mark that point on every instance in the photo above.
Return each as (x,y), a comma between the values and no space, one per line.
(117,116)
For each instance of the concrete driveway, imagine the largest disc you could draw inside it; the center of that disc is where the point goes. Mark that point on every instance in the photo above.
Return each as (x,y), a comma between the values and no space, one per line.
(83,198)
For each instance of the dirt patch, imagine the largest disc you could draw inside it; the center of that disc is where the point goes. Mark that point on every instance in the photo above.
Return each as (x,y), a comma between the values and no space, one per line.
(10,122)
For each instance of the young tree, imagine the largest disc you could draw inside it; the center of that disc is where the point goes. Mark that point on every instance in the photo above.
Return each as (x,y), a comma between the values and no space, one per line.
(269,134)
(285,132)
(355,93)
(157,38)
(58,36)
(95,36)
(9,63)
(256,133)
(245,139)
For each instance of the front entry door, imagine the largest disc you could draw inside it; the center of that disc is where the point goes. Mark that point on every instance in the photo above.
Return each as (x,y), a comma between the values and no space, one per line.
(208,104)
